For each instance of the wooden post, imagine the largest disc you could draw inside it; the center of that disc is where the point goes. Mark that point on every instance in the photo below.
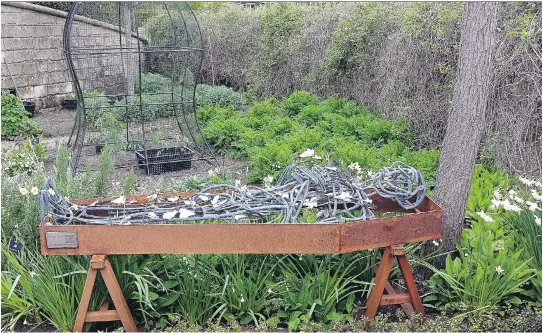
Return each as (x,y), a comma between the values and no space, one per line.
(99,264)
(406,300)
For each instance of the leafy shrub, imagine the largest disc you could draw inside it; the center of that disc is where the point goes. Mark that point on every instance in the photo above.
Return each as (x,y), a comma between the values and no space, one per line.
(15,120)
(152,83)
(27,158)
(218,96)
(297,101)
(483,184)
(488,272)
(322,288)
(207,113)
(224,135)
(526,233)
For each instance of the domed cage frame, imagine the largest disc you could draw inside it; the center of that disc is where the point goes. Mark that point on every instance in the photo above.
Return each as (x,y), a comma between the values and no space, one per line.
(136,96)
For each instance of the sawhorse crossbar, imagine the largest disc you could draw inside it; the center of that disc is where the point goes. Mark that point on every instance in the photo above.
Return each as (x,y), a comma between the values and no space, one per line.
(406,300)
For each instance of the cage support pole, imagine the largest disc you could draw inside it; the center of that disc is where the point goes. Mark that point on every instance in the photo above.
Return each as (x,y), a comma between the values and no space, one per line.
(99,264)
(408,300)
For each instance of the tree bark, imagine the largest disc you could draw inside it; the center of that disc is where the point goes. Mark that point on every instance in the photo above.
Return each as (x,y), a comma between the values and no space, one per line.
(466,120)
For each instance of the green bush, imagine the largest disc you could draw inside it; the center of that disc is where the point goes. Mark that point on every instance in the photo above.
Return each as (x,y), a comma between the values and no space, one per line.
(224,135)
(218,96)
(336,129)
(489,271)
(297,101)
(15,120)
(25,159)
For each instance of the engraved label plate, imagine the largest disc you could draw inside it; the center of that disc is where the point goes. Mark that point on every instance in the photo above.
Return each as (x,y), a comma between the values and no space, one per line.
(61,240)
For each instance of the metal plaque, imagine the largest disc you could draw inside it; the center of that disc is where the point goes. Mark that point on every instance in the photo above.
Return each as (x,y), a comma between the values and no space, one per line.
(61,240)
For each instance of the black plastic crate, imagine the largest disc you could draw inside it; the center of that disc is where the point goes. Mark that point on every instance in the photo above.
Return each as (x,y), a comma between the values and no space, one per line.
(165,159)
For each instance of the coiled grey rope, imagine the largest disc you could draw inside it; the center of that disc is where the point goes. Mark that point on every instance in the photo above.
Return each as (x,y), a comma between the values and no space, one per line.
(334,196)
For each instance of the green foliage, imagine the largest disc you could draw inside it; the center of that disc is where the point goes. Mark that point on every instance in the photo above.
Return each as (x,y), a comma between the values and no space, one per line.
(336,128)
(129,183)
(322,288)
(220,96)
(297,101)
(15,120)
(26,159)
(488,272)
(484,182)
(105,171)
(526,234)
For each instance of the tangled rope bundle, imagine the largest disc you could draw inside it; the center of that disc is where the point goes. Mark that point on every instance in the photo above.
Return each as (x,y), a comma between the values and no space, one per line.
(333,196)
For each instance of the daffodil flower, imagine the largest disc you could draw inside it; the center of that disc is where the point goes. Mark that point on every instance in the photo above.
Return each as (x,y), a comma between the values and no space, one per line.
(485,217)
(307,153)
(34,190)
(499,270)
(51,191)
(23,190)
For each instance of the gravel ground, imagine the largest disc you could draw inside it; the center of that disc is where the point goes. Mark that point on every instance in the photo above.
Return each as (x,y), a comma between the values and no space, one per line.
(57,125)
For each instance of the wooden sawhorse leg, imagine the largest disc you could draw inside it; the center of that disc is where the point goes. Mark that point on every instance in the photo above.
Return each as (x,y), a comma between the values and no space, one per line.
(99,264)
(407,301)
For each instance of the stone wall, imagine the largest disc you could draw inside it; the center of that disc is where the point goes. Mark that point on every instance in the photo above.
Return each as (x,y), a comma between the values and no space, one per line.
(33,55)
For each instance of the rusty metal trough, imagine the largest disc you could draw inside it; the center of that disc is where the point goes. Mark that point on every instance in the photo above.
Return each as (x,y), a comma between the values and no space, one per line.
(420,224)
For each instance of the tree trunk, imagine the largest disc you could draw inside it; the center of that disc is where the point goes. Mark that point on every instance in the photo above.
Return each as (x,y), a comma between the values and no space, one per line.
(466,120)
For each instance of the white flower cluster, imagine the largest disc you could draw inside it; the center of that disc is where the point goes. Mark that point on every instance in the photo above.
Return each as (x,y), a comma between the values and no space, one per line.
(359,174)
(511,201)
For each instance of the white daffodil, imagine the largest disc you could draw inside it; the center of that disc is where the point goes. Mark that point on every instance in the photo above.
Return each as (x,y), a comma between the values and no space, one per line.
(185,213)
(518,199)
(512,193)
(169,215)
(23,190)
(532,206)
(119,201)
(32,274)
(310,204)
(538,184)
(370,173)
(485,217)
(307,153)
(499,270)
(152,215)
(355,166)
(526,181)
(34,190)
(496,203)
(242,299)
(152,197)
(497,194)
(51,191)
(537,220)
(189,202)
(172,199)
(344,196)
(536,195)
(268,180)
(269,291)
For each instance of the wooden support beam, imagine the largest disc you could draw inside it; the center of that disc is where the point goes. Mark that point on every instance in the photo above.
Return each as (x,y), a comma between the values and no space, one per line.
(408,300)
(99,264)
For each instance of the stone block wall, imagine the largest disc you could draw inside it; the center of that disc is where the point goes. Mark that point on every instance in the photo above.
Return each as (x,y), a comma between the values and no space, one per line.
(33,55)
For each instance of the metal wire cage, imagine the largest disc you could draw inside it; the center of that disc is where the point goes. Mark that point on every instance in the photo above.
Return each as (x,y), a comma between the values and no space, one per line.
(134,69)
